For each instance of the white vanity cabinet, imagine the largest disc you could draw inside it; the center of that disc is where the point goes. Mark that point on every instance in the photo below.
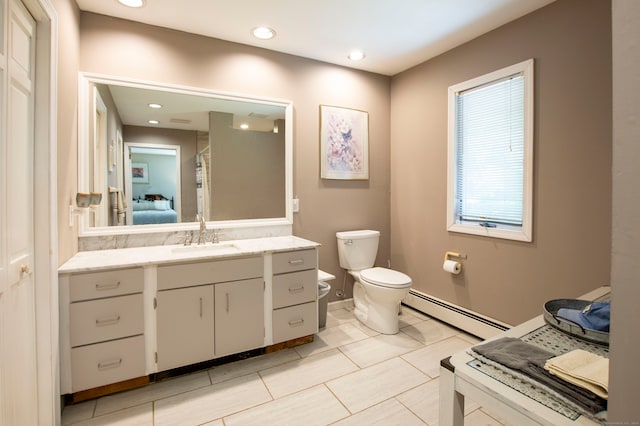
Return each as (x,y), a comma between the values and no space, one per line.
(185,326)
(106,326)
(295,294)
(127,314)
(239,316)
(205,310)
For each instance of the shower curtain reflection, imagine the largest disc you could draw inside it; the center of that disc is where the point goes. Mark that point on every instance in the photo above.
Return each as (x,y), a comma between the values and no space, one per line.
(202,184)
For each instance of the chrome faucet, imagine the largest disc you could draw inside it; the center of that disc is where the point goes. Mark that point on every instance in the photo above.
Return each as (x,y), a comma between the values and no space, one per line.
(203,229)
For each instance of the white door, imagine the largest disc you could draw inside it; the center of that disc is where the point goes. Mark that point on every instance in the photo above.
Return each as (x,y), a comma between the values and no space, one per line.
(18,372)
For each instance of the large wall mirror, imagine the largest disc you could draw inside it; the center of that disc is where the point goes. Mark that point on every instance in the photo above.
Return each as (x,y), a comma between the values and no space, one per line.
(163,155)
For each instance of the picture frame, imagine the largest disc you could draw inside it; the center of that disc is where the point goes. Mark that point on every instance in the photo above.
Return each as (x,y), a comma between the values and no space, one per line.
(139,173)
(344,143)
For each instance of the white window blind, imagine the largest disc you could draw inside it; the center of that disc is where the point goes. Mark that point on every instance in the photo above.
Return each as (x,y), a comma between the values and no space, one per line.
(489,148)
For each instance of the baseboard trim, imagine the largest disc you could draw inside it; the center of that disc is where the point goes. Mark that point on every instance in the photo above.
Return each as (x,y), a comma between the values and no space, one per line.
(462,318)
(340,304)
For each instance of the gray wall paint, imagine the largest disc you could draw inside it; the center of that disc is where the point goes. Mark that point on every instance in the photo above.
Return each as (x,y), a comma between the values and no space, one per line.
(625,270)
(123,48)
(570,41)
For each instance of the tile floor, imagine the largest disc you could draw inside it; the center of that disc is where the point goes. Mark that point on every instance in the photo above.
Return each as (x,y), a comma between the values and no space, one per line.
(349,375)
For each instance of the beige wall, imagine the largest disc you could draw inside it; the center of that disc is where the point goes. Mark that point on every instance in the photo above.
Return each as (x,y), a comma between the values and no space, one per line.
(68,61)
(570,41)
(122,48)
(625,268)
(247,171)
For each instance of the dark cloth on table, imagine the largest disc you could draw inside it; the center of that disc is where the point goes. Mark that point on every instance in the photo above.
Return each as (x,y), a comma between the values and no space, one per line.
(529,360)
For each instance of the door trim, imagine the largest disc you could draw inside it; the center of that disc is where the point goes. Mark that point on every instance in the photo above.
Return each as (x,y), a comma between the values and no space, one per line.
(45,210)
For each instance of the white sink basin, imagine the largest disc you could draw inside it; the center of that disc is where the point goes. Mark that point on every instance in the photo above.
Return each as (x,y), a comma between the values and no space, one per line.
(208,247)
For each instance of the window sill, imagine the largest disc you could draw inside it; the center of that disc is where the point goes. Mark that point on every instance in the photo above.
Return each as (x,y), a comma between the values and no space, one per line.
(500,231)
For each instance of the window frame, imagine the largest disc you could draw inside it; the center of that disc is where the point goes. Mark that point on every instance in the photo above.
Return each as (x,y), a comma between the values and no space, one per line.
(510,232)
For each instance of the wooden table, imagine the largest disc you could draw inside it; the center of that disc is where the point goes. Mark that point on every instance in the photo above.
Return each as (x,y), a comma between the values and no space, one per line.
(459,380)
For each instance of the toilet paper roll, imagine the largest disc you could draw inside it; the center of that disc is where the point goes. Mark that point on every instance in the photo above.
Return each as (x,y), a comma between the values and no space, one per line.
(452,266)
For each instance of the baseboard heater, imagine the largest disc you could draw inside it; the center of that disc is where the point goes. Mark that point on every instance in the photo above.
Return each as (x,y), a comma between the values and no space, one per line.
(464,319)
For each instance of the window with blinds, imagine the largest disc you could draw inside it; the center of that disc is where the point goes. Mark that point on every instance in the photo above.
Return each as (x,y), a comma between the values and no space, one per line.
(490,154)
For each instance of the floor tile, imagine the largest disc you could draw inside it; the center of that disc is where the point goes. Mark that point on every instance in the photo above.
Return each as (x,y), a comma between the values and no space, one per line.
(141,415)
(430,331)
(251,365)
(307,372)
(390,412)
(75,413)
(330,338)
(408,317)
(372,385)
(349,375)
(212,402)
(424,401)
(379,348)
(218,422)
(315,406)
(152,392)
(473,340)
(346,316)
(480,418)
(428,358)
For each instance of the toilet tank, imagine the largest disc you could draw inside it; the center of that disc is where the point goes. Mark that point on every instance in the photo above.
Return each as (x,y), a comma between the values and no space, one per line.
(357,249)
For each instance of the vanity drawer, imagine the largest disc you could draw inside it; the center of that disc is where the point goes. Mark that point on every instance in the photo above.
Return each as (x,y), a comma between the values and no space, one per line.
(96,285)
(105,363)
(294,288)
(106,319)
(295,321)
(291,261)
(192,274)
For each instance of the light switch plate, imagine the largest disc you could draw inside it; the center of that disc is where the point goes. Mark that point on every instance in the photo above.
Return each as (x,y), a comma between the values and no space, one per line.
(296,205)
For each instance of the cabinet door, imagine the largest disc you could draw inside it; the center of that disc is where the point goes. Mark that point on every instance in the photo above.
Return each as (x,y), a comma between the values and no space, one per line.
(239,316)
(185,326)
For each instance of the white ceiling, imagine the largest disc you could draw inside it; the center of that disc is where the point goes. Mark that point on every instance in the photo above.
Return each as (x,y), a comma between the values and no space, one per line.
(395,34)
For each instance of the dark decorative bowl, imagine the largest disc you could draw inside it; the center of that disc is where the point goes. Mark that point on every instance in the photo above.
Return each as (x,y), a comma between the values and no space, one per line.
(551,309)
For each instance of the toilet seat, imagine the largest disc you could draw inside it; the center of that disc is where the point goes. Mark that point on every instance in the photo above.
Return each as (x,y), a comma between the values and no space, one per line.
(385,277)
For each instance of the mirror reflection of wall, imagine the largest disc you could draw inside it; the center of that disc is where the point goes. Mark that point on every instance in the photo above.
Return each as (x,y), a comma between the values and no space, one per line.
(247,171)
(242,171)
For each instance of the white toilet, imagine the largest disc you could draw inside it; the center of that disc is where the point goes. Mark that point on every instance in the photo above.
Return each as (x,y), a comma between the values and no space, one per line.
(377,292)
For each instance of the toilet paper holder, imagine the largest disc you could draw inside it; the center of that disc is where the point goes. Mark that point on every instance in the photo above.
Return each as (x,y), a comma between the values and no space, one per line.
(449,254)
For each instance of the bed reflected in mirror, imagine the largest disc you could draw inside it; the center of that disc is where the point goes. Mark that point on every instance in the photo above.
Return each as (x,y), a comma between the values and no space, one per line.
(167,154)
(152,172)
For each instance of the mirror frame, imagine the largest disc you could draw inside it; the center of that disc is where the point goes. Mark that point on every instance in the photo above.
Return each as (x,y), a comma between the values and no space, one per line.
(84,81)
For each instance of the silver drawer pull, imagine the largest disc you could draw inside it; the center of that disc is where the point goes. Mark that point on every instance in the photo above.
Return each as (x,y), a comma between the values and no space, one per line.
(113,319)
(296,262)
(110,364)
(296,323)
(296,290)
(108,286)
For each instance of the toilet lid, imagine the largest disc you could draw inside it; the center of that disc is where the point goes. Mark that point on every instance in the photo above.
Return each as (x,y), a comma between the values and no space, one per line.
(385,277)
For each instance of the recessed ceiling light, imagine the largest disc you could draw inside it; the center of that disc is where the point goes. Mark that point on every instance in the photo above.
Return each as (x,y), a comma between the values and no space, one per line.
(244,126)
(154,122)
(132,3)
(356,55)
(263,33)
(155,106)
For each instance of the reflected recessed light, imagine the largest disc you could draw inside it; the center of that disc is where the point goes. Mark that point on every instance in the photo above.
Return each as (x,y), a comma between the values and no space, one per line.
(263,33)
(154,122)
(132,3)
(156,106)
(244,126)
(356,55)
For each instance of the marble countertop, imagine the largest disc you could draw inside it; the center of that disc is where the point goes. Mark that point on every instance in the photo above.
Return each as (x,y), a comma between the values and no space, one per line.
(86,261)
